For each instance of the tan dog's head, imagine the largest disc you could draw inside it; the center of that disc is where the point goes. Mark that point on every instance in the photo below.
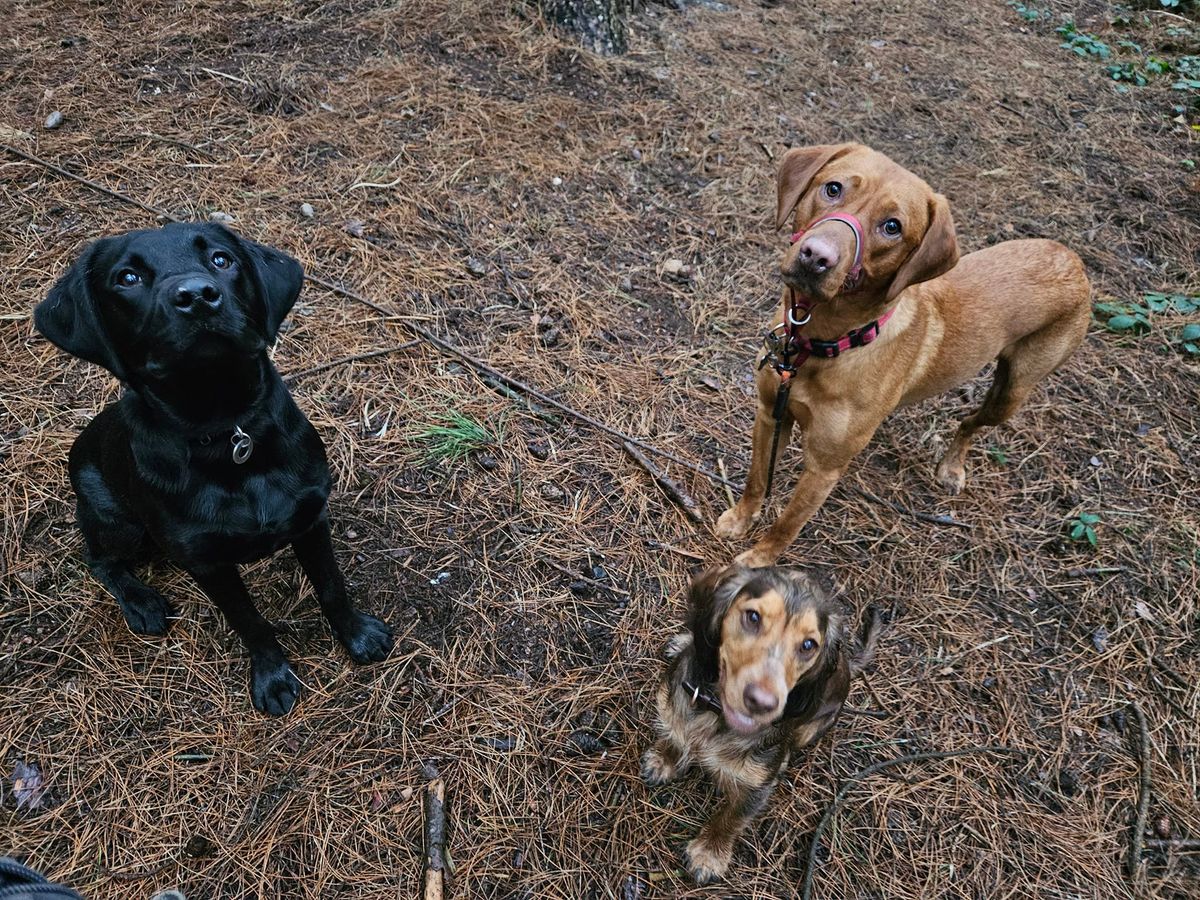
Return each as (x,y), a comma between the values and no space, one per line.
(907,231)
(769,638)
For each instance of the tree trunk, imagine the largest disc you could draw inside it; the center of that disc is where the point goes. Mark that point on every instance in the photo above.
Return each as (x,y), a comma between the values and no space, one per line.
(599,24)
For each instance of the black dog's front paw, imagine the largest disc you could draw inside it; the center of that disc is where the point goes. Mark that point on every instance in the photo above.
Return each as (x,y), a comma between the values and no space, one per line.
(367,639)
(145,610)
(273,687)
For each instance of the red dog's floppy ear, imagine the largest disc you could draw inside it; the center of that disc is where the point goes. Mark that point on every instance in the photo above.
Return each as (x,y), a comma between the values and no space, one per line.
(937,253)
(797,170)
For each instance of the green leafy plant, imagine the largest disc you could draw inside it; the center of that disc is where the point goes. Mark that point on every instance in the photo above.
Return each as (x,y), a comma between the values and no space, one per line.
(454,436)
(1128,73)
(1135,318)
(1029,13)
(1082,43)
(1189,339)
(1082,528)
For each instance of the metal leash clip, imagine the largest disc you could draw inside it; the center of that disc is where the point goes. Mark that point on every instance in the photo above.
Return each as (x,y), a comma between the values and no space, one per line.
(243,445)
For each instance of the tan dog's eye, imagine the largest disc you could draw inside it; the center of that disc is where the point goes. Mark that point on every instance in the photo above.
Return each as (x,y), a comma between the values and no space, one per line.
(751,619)
(832,190)
(891,227)
(808,645)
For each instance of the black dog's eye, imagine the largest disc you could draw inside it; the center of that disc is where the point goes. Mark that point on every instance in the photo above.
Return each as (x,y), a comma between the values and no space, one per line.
(752,619)
(891,227)
(222,260)
(128,278)
(832,190)
(809,645)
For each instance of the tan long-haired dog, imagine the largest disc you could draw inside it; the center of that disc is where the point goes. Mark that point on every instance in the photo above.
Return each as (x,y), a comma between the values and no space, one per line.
(762,670)
(881,248)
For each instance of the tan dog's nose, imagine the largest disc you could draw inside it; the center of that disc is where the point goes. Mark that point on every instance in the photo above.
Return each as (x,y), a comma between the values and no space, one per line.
(759,700)
(817,254)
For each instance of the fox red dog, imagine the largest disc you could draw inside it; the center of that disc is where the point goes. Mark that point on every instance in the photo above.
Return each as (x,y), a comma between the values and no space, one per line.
(883,313)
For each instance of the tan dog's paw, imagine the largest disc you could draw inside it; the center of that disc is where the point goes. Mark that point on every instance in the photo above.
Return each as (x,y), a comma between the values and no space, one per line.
(656,770)
(733,524)
(951,475)
(756,558)
(707,860)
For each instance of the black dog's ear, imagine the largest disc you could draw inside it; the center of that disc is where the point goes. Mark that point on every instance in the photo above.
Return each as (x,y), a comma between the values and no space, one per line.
(68,316)
(279,279)
(711,595)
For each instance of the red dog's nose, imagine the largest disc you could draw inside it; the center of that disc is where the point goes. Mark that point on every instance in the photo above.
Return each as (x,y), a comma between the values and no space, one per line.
(818,254)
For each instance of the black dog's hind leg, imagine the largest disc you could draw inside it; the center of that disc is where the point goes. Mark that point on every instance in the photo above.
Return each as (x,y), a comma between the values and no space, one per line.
(114,544)
(273,686)
(366,638)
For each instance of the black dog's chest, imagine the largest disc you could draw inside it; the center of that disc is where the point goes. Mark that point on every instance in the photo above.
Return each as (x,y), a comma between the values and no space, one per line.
(250,519)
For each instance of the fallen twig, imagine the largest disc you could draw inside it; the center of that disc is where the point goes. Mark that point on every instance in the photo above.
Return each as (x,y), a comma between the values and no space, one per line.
(359,357)
(1179,845)
(674,491)
(671,548)
(1098,570)
(869,713)
(924,517)
(728,489)
(1134,860)
(435,839)
(592,581)
(810,866)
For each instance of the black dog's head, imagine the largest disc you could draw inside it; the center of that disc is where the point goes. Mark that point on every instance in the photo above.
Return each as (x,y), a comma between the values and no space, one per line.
(144,303)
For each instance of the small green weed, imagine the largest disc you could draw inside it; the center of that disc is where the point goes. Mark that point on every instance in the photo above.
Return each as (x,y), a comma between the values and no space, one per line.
(1030,13)
(998,455)
(1082,43)
(1082,528)
(1136,318)
(455,436)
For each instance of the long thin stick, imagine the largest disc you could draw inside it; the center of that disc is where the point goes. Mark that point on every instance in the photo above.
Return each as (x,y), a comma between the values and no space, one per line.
(1133,861)
(674,491)
(293,376)
(924,517)
(435,839)
(811,865)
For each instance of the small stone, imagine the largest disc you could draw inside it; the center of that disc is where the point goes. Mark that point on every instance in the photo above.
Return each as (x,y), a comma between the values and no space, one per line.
(551,491)
(539,450)
(351,535)
(581,589)
(354,228)
(673,267)
(487,462)
(1162,827)
(1100,639)
(556,181)
(627,284)
(476,267)
(1095,462)
(169,895)
(550,337)
(53,120)
(217,216)
(307,210)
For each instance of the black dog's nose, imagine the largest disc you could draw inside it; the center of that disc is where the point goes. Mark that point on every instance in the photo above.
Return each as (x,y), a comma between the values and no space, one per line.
(759,700)
(197,295)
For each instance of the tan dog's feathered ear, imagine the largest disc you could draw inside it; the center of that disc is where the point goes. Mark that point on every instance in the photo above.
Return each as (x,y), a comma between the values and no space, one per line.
(797,170)
(711,595)
(937,253)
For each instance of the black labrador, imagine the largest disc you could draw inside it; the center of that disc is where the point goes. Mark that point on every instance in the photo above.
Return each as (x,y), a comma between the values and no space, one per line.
(205,458)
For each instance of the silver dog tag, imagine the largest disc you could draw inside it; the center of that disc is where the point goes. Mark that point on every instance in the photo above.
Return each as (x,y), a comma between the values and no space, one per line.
(243,445)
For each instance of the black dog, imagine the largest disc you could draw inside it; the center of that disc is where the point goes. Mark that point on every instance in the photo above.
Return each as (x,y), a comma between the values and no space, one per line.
(205,458)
